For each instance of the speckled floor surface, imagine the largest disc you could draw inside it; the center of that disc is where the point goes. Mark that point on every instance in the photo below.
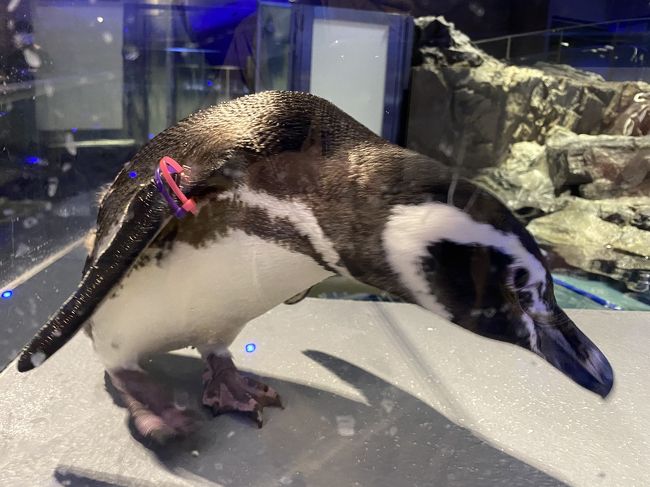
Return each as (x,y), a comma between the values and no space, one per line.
(376,394)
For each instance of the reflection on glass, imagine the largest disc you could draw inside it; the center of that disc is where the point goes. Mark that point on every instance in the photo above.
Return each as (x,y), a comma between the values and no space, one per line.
(544,104)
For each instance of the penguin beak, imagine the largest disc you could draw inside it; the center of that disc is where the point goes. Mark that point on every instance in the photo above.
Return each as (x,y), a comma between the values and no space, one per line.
(565,347)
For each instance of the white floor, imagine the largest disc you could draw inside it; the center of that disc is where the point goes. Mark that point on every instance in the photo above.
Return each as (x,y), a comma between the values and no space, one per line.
(376,395)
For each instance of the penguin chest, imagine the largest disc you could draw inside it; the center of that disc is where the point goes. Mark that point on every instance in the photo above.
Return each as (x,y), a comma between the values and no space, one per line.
(195,295)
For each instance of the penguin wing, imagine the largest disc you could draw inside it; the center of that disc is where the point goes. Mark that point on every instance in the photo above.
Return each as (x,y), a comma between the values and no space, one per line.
(227,136)
(131,215)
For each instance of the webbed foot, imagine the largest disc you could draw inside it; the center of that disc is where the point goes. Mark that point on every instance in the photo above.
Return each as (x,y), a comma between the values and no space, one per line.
(226,390)
(151,408)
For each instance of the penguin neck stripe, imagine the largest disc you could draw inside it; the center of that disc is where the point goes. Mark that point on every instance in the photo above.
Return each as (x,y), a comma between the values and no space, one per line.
(428,223)
(299,214)
(410,229)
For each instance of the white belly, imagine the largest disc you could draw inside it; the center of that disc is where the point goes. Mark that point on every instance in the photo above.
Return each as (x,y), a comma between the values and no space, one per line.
(198,296)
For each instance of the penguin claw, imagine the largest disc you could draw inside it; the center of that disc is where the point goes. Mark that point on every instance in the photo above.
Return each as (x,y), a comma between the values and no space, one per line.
(226,391)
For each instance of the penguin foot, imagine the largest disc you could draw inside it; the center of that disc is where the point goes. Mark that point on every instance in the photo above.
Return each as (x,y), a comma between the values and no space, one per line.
(226,390)
(151,409)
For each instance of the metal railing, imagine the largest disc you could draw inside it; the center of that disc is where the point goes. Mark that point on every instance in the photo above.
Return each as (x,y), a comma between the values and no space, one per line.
(557,30)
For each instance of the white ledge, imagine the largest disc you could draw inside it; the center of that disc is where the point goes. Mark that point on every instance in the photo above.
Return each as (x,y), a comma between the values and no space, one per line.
(389,396)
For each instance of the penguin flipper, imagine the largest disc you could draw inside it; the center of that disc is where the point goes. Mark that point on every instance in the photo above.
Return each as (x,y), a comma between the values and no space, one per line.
(100,275)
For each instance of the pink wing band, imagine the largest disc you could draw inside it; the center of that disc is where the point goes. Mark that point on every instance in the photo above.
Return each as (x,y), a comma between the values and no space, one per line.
(165,164)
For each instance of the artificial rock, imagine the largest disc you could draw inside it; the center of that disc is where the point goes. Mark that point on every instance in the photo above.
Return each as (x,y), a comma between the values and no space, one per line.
(560,146)
(469,108)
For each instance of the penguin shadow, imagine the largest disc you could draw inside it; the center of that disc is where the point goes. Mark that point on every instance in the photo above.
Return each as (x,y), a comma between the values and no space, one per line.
(77,477)
(324,438)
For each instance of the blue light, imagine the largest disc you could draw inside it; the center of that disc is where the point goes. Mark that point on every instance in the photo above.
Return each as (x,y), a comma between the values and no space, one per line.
(151,136)
(7,294)
(209,82)
(31,160)
(73,130)
(133,174)
(189,49)
(250,347)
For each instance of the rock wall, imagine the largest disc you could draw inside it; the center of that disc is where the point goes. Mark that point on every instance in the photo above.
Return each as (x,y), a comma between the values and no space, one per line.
(606,237)
(564,148)
(599,166)
(467,103)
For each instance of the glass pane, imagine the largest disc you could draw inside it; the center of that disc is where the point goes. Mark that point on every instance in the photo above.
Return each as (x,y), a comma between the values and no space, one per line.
(422,228)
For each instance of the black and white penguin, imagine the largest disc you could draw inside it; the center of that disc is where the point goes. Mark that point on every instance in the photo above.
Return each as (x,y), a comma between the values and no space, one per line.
(291,190)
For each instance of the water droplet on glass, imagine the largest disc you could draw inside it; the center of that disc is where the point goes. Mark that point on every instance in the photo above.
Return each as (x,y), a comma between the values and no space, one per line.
(13,4)
(388,405)
(52,186)
(30,222)
(477,9)
(22,250)
(70,144)
(181,400)
(107,37)
(195,453)
(131,53)
(32,59)
(345,425)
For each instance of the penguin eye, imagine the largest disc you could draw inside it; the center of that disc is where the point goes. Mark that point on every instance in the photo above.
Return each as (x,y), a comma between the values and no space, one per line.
(520,278)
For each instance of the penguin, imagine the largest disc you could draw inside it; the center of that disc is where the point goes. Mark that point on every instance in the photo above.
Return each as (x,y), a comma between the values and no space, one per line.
(289,190)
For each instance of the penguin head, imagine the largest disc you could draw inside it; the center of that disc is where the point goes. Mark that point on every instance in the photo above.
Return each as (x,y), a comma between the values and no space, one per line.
(478,267)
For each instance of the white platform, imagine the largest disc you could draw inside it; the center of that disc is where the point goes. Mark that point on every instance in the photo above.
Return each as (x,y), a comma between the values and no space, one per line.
(376,395)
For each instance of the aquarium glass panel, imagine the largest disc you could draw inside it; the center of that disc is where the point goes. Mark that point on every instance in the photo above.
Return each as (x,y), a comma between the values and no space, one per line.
(420,230)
